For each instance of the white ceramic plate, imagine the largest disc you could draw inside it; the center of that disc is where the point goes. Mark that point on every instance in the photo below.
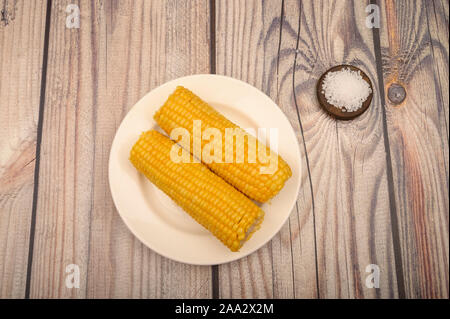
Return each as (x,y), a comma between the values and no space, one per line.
(153,217)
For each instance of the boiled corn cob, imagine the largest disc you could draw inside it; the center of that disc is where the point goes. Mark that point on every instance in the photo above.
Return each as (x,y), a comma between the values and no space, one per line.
(183,107)
(224,211)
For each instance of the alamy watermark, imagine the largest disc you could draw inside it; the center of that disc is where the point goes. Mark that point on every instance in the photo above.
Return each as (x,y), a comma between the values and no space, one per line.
(237,146)
(373,279)
(373,19)
(72,279)
(73,276)
(73,19)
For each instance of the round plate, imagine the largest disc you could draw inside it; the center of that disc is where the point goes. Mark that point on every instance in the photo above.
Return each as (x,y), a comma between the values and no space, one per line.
(152,216)
(333,110)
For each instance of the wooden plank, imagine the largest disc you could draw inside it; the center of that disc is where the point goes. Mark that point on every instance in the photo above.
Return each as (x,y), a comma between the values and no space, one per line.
(294,248)
(22,29)
(122,50)
(248,34)
(347,158)
(252,51)
(240,27)
(347,198)
(437,17)
(419,141)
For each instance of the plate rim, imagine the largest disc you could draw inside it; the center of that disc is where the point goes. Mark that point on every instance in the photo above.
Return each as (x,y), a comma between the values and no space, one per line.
(114,146)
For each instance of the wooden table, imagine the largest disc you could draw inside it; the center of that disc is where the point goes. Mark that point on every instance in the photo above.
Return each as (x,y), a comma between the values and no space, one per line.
(374,190)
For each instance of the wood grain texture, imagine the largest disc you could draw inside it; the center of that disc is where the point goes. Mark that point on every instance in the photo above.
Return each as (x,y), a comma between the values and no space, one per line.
(96,74)
(418,138)
(342,221)
(22,29)
(343,202)
(347,158)
(437,22)
(248,40)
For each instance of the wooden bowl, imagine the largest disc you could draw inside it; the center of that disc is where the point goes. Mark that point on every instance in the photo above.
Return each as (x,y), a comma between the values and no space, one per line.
(330,108)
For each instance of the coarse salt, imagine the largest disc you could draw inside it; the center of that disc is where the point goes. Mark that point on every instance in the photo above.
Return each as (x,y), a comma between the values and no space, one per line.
(345,89)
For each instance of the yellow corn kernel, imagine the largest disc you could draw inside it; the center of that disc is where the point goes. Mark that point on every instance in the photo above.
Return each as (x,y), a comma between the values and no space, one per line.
(183,107)
(203,195)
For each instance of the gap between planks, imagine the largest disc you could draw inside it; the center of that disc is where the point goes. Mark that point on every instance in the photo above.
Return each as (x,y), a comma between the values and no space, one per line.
(38,146)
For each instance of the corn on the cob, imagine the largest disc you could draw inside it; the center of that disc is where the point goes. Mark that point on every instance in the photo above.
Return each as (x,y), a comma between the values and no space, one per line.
(224,211)
(183,107)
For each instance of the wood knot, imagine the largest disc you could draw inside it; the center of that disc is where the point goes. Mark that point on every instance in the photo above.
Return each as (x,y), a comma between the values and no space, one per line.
(396,93)
(4,17)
